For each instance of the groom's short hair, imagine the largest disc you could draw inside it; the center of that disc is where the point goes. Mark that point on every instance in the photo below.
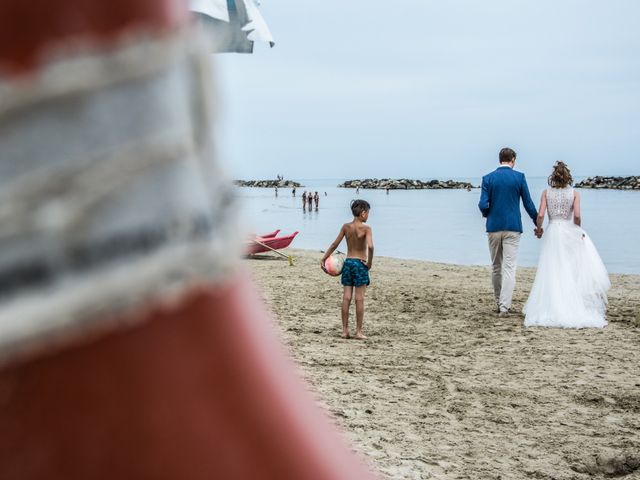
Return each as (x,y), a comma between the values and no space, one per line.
(507,155)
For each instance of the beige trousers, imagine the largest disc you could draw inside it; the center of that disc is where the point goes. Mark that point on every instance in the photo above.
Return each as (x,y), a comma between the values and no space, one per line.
(503,247)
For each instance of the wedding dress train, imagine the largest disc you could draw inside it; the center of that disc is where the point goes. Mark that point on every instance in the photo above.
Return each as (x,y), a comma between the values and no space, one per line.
(571,283)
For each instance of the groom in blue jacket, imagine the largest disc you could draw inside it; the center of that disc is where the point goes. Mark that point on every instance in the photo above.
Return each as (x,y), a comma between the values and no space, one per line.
(499,203)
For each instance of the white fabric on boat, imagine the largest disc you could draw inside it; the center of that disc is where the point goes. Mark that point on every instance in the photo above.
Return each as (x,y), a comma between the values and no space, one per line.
(109,192)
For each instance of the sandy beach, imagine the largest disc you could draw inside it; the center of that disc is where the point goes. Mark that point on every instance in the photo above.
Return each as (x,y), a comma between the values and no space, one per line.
(443,388)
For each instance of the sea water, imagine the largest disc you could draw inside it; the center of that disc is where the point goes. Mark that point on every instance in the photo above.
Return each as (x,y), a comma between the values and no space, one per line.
(438,225)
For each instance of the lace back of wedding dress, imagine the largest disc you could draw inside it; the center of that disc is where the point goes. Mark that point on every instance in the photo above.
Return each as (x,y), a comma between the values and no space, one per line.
(560,203)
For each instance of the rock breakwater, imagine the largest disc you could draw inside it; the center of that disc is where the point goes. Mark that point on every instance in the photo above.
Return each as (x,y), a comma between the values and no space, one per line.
(405,184)
(616,183)
(267,183)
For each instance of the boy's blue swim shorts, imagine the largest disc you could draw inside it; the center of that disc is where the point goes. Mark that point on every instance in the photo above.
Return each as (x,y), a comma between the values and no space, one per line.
(354,273)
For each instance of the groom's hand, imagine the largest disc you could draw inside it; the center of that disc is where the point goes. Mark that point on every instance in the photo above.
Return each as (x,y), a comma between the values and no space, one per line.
(539,231)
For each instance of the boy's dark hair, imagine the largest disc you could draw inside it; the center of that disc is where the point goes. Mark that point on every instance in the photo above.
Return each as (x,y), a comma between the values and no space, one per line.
(359,206)
(507,155)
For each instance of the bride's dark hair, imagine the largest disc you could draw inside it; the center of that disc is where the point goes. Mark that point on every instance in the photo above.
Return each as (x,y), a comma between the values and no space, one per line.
(561,176)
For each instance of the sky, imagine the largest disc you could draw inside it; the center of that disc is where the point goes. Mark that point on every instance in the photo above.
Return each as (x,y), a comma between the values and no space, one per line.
(433,89)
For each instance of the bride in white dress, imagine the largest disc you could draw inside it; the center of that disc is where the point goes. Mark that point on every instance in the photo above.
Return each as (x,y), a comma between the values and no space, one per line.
(570,288)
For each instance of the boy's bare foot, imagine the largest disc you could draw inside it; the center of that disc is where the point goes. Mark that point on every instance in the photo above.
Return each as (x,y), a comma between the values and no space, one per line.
(345,335)
(360,336)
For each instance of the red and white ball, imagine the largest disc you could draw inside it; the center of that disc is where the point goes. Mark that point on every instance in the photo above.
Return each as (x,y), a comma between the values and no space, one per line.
(333,265)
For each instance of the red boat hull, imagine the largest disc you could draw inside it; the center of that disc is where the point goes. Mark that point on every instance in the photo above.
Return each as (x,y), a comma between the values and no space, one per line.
(269,235)
(275,243)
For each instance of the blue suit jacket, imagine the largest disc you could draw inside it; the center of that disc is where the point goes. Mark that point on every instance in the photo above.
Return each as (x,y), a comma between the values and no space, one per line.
(502,190)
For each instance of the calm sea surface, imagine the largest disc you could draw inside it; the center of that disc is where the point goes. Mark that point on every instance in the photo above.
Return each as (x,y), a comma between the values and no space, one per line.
(439,225)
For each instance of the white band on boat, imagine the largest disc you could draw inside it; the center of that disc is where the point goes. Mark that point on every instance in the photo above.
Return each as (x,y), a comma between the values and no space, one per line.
(109,192)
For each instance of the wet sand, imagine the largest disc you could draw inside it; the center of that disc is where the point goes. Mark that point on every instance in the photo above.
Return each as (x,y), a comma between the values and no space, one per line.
(443,388)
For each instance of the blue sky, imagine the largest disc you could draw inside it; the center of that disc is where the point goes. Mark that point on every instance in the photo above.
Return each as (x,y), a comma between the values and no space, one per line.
(433,89)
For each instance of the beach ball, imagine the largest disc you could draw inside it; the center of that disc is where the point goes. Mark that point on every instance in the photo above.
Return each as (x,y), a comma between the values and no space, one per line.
(333,265)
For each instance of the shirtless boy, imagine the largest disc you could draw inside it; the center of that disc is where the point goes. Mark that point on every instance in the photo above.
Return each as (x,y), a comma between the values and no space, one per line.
(355,272)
